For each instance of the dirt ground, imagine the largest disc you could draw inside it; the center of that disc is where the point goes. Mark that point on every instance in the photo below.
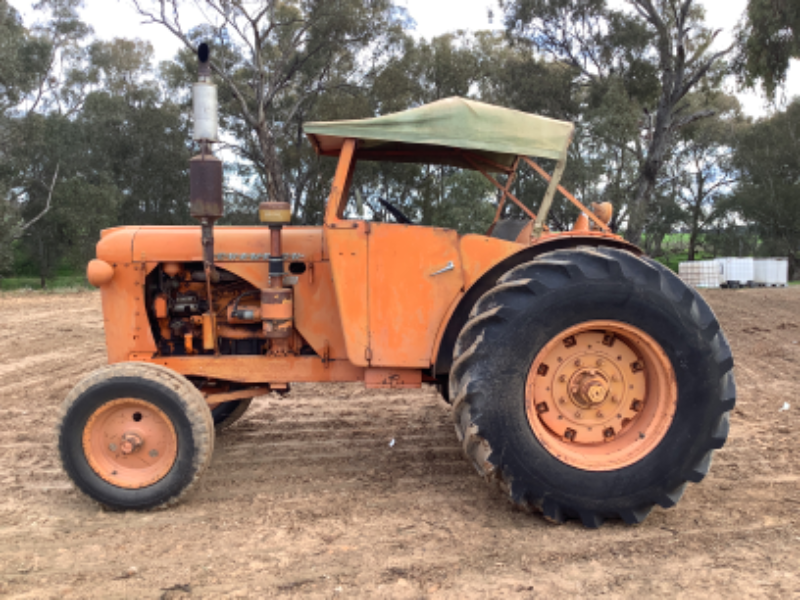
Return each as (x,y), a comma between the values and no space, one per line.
(306,498)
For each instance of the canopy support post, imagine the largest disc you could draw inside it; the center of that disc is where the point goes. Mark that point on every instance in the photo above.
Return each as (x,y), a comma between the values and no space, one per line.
(513,198)
(509,182)
(549,195)
(568,196)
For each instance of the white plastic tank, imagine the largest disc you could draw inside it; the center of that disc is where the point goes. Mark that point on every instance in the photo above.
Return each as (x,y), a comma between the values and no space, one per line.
(738,271)
(701,273)
(760,270)
(777,272)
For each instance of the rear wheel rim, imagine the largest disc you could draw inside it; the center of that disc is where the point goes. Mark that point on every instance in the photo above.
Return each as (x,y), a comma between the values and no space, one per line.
(130,443)
(601,395)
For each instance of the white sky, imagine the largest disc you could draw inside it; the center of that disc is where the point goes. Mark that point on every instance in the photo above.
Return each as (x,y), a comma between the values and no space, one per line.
(117,18)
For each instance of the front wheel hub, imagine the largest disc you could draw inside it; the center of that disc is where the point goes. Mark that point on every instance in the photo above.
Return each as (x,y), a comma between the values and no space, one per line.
(130,443)
(601,395)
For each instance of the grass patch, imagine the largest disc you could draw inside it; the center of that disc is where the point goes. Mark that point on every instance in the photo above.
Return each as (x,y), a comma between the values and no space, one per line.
(672,260)
(59,283)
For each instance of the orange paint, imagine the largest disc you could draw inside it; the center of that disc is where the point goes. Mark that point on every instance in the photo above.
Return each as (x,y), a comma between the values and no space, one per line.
(99,272)
(414,273)
(601,395)
(369,295)
(261,369)
(130,443)
(480,253)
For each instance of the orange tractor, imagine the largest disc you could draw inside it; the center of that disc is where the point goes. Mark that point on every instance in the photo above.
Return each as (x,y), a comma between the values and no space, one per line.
(586,380)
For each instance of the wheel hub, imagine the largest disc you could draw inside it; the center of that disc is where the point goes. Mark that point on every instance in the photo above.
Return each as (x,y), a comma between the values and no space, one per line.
(588,388)
(130,443)
(600,394)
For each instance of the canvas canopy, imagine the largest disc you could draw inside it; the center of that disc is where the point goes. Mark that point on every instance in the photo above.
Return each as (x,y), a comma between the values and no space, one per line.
(437,133)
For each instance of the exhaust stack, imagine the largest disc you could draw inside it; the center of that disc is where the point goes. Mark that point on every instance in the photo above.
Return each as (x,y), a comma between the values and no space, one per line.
(205,178)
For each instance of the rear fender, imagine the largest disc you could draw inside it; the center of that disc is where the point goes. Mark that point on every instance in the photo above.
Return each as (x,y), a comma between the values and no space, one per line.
(443,355)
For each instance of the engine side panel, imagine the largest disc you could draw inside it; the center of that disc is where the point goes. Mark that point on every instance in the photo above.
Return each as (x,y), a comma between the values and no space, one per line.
(132,327)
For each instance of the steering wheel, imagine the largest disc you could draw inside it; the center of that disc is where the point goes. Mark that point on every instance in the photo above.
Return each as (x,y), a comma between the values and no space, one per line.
(395,212)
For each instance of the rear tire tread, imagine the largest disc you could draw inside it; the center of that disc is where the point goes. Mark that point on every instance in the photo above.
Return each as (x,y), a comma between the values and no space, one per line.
(560,269)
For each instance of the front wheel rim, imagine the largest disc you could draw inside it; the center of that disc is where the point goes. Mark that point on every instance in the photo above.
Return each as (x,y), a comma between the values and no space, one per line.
(601,395)
(130,443)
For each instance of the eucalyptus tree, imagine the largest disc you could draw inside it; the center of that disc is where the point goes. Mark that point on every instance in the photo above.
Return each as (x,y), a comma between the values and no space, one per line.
(658,50)
(767,157)
(700,168)
(275,58)
(769,38)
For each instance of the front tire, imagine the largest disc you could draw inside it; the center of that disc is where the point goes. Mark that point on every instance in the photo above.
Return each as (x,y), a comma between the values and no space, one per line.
(135,436)
(578,429)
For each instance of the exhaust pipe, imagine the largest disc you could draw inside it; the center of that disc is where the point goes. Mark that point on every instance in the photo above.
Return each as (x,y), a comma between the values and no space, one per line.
(205,174)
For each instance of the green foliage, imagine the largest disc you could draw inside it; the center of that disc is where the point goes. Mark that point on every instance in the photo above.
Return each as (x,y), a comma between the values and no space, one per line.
(118,132)
(768,159)
(58,283)
(768,37)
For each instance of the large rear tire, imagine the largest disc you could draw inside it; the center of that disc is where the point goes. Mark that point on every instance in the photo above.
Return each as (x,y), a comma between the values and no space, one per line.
(592,384)
(135,436)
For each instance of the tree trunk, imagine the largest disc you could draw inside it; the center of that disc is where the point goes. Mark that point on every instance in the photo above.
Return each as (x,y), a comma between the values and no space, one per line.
(42,267)
(646,182)
(276,191)
(696,212)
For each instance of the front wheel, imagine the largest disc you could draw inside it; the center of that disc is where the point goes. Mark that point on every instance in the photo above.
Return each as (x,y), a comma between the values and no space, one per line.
(135,436)
(592,384)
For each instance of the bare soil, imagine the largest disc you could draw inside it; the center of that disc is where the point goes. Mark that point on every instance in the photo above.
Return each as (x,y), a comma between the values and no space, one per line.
(307,498)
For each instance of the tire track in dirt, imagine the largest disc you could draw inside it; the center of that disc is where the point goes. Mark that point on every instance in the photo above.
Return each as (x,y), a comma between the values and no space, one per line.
(305,497)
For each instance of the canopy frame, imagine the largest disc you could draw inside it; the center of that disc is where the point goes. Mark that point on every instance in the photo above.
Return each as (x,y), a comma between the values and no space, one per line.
(350,154)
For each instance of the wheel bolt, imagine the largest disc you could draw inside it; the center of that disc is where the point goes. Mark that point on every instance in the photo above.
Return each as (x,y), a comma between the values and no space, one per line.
(563,378)
(599,414)
(599,362)
(578,362)
(578,414)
